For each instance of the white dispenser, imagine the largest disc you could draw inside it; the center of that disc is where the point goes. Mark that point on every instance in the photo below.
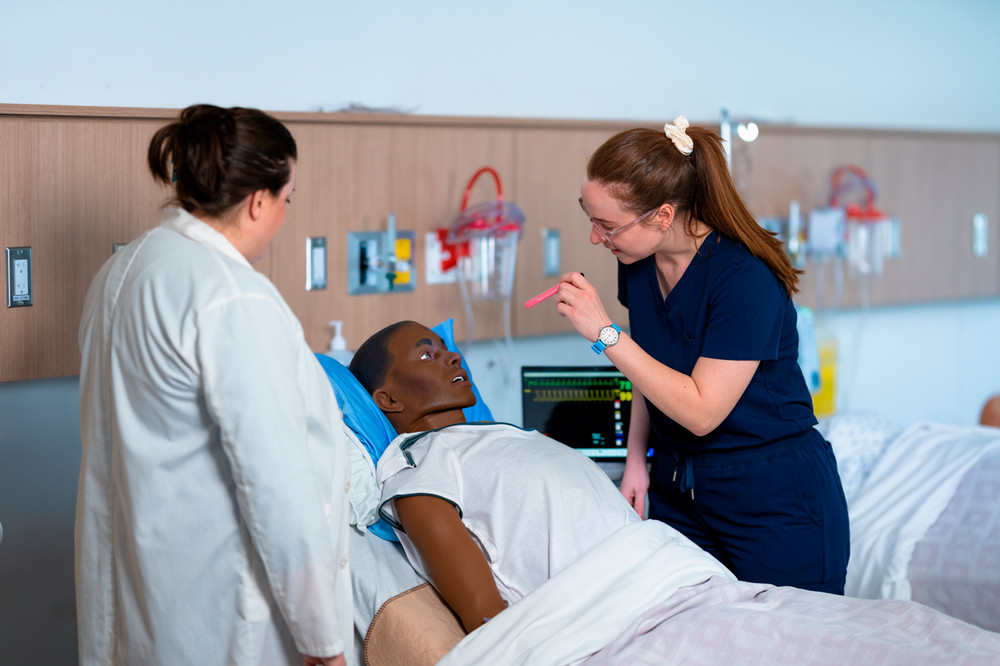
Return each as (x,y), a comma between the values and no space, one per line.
(338,345)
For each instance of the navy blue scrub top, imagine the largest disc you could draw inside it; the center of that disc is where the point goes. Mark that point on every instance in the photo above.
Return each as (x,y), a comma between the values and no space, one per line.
(727,305)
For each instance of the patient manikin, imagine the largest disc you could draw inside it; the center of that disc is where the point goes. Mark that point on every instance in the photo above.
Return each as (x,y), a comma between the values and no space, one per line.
(486,511)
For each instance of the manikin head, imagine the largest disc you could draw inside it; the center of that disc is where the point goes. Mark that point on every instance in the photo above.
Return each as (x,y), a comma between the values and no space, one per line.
(414,379)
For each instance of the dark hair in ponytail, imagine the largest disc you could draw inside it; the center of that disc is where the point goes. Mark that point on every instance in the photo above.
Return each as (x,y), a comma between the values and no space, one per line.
(216,157)
(644,170)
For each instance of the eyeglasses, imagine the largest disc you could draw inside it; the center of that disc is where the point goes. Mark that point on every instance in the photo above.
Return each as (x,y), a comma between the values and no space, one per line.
(608,236)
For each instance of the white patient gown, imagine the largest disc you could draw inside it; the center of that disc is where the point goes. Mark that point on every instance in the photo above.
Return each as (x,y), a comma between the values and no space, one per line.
(533,505)
(212,512)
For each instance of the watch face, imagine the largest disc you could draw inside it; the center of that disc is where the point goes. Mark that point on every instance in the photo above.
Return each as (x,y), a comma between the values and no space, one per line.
(609,336)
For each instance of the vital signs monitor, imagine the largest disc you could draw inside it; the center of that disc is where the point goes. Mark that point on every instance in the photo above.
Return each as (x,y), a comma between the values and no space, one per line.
(585,407)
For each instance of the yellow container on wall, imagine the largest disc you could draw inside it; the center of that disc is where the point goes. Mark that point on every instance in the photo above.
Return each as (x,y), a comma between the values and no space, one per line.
(825,398)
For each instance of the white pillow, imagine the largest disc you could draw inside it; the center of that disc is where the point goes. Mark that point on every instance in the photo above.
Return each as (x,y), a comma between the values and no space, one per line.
(364,491)
(858,441)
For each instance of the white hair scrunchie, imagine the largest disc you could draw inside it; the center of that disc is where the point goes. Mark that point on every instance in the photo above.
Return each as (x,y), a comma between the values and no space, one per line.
(676,132)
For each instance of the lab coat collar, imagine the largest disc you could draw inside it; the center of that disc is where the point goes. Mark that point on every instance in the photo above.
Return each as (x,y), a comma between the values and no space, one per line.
(189,226)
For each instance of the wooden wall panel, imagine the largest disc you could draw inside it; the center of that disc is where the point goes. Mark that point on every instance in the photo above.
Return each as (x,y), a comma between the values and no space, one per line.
(73,181)
(935,187)
(70,188)
(342,185)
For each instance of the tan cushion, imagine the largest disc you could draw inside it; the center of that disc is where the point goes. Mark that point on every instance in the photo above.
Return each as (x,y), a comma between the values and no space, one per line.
(413,628)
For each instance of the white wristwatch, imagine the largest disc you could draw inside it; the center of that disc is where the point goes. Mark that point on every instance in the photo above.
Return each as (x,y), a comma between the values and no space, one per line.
(607,337)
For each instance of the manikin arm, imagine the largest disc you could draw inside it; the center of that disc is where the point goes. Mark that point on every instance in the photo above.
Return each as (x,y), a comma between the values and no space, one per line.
(453,560)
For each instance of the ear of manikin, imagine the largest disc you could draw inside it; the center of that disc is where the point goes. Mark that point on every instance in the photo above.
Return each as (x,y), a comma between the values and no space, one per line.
(386,402)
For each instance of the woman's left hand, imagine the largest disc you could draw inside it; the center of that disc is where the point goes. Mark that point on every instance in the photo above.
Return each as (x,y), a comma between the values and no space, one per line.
(578,301)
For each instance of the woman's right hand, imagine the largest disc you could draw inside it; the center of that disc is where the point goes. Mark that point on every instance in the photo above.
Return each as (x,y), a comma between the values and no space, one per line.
(578,301)
(634,485)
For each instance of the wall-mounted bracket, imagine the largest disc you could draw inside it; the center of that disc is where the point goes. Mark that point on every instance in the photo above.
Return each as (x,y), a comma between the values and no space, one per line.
(380,262)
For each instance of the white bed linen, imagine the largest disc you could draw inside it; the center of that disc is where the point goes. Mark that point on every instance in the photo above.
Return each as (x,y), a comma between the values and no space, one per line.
(587,605)
(750,624)
(619,605)
(956,565)
(909,487)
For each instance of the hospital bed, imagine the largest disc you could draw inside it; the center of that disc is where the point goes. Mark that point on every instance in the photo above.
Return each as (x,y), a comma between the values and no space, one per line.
(613,606)
(924,512)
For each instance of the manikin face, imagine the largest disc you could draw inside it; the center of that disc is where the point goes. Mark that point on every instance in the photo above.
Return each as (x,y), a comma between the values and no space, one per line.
(424,380)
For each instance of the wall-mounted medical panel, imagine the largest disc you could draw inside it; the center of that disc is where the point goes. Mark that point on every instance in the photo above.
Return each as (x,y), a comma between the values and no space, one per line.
(380,262)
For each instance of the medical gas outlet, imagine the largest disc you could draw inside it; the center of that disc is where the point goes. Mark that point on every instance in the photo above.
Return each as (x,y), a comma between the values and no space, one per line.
(380,262)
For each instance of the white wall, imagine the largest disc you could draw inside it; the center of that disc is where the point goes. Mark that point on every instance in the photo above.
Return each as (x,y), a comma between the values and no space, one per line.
(893,63)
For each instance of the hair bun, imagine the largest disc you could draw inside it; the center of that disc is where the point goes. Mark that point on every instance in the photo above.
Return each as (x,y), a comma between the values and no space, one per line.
(219,123)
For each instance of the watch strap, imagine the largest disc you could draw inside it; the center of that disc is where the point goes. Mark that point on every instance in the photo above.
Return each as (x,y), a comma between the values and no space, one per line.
(598,345)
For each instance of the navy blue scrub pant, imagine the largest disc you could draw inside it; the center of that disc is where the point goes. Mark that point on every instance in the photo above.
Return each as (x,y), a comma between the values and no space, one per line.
(772,515)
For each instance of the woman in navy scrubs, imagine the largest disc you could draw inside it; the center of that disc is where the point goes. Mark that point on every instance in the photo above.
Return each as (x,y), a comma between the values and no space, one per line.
(713,348)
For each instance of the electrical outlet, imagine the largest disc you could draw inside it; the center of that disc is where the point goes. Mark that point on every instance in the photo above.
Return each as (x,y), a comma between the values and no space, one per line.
(19,274)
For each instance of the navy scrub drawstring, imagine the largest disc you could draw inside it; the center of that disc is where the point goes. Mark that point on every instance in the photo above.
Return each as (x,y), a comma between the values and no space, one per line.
(687,473)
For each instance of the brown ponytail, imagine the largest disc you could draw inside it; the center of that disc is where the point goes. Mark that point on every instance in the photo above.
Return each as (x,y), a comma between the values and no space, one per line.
(644,169)
(216,157)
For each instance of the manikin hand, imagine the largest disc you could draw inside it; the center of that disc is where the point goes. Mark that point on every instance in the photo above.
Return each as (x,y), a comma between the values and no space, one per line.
(339,660)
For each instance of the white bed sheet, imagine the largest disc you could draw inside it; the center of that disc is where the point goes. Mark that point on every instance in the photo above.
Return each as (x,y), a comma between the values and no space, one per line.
(598,613)
(905,494)
(956,566)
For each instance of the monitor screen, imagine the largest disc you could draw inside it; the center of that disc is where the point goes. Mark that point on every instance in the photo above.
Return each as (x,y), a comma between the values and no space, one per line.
(585,407)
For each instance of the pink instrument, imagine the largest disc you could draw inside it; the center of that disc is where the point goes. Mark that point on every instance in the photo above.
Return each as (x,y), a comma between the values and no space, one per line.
(542,296)
(551,291)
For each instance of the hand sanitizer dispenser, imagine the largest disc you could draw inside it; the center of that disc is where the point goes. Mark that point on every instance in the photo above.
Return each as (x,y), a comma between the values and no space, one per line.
(338,345)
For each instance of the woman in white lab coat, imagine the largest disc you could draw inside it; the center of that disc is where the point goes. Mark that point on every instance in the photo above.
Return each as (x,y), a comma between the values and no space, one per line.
(212,512)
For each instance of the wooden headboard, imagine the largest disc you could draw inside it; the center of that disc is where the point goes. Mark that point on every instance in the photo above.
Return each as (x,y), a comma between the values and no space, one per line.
(74,182)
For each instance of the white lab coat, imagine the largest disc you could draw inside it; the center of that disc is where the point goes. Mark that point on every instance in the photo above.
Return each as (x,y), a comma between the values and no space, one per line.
(211,521)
